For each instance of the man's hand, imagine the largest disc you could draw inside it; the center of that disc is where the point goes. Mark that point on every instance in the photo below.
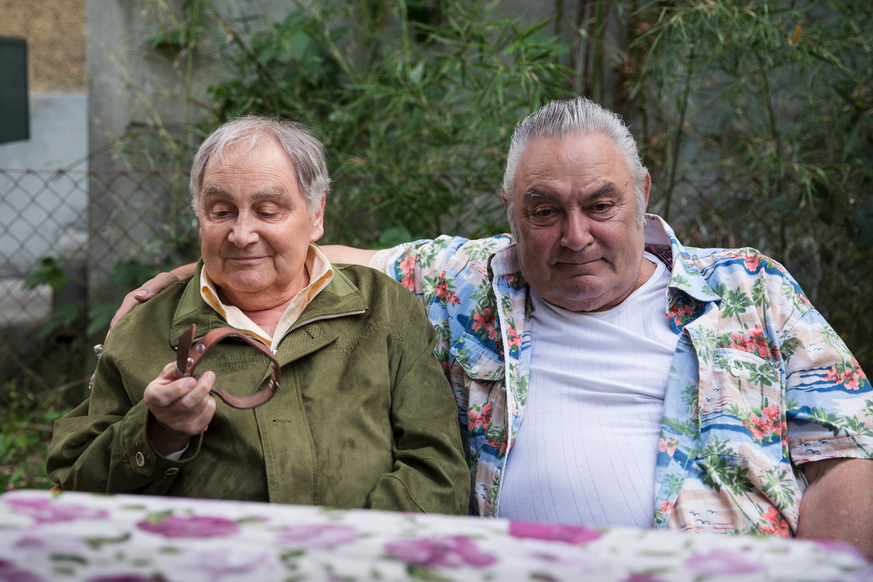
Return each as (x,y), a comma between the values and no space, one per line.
(151,288)
(838,504)
(180,408)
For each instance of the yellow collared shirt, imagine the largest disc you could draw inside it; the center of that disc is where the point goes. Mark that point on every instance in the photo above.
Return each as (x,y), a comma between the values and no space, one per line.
(320,274)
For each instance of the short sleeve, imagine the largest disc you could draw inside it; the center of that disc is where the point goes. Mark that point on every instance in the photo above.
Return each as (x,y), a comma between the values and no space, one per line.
(828,396)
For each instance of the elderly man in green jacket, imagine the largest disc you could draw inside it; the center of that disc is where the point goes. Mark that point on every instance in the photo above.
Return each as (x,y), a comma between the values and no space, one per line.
(363,417)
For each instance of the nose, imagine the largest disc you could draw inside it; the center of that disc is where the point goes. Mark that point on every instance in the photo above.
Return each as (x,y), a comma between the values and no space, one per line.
(575,231)
(243,232)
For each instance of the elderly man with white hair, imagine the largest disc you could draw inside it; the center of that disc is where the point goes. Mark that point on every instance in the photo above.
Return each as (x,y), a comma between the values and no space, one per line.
(607,375)
(362,416)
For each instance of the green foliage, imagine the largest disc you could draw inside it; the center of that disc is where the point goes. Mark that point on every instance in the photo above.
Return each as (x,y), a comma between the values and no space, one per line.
(24,437)
(786,91)
(128,274)
(415,107)
(772,103)
(47,272)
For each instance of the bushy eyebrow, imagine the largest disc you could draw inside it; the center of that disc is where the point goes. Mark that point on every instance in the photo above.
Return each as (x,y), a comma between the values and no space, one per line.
(215,191)
(537,195)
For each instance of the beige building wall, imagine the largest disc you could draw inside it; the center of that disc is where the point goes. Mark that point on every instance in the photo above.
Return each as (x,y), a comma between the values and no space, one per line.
(55,33)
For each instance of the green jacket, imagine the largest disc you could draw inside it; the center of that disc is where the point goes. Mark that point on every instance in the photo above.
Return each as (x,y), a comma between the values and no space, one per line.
(364,416)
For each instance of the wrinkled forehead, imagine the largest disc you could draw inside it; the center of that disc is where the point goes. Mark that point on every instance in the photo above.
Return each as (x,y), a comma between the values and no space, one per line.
(570,155)
(243,149)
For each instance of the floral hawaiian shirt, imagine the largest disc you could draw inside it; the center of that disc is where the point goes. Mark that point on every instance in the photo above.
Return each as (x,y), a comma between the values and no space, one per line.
(760,383)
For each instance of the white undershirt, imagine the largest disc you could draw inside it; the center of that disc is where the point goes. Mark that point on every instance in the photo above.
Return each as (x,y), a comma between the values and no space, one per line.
(586,449)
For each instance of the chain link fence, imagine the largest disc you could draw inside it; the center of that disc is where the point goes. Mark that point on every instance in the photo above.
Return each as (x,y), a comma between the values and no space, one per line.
(72,243)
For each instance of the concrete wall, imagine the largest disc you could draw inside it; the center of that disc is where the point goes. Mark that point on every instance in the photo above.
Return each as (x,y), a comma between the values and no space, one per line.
(42,213)
(40,210)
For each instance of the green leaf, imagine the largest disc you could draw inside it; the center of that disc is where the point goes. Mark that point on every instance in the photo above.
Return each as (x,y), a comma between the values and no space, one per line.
(297,44)
(132,272)
(417,72)
(100,316)
(393,236)
(47,272)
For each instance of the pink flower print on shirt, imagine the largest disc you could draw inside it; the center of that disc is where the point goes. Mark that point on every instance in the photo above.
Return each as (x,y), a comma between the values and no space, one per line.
(498,444)
(680,314)
(668,445)
(514,339)
(773,414)
(774,524)
(515,281)
(407,268)
(483,322)
(753,341)
(751,261)
(479,419)
(443,291)
(768,425)
(848,374)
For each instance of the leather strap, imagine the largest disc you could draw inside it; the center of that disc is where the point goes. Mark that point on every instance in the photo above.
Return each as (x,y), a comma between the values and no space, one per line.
(190,354)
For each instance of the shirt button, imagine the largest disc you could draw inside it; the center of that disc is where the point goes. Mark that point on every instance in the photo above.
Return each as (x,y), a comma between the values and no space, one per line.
(171,471)
(474,370)
(140,459)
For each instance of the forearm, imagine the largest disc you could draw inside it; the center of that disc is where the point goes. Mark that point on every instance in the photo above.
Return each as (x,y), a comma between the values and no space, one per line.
(348,255)
(107,454)
(184,271)
(164,439)
(838,504)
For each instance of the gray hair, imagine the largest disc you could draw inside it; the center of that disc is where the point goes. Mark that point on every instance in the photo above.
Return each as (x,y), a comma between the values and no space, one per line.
(304,150)
(578,115)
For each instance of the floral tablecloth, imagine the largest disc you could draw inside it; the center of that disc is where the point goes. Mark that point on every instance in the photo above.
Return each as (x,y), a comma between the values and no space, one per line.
(123,538)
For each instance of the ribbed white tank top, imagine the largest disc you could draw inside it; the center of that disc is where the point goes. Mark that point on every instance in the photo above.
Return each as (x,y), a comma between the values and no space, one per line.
(586,449)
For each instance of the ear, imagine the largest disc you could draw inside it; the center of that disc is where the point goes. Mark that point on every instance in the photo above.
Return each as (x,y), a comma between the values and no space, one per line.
(505,201)
(648,187)
(318,222)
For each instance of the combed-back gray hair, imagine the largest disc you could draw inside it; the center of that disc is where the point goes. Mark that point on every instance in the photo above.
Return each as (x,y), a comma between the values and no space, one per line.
(304,150)
(578,116)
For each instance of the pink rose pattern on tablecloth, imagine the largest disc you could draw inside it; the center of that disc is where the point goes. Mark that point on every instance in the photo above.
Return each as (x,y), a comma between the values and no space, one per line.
(230,564)
(46,511)
(124,578)
(173,526)
(554,533)
(318,536)
(298,542)
(718,562)
(10,572)
(440,552)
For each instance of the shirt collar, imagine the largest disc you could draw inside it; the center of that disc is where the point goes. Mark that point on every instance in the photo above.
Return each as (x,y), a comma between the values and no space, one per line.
(320,274)
(661,241)
(685,277)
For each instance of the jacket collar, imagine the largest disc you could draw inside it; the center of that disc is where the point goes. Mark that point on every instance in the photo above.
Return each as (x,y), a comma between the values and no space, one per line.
(340,297)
